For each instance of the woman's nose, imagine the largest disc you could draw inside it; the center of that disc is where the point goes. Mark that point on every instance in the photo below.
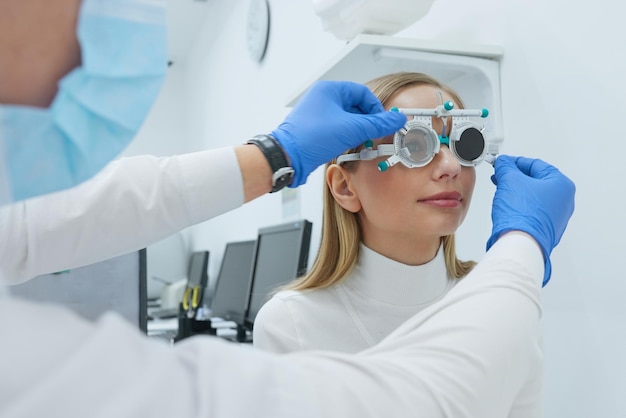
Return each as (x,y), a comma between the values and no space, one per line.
(445,164)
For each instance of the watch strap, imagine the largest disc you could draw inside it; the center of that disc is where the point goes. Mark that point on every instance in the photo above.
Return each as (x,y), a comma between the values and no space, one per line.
(275,155)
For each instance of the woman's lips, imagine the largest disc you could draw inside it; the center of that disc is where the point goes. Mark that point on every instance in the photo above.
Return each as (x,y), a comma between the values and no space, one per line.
(443,200)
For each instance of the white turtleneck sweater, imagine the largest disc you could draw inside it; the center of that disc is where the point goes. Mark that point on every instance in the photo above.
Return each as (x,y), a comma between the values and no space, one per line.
(376,297)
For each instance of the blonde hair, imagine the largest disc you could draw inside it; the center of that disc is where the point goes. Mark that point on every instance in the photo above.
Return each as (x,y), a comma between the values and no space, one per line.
(341,232)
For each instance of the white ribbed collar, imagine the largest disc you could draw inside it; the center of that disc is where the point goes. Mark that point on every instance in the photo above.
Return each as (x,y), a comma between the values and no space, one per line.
(385,280)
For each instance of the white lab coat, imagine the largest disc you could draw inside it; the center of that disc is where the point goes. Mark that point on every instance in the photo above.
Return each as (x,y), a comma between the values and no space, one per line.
(468,355)
(131,203)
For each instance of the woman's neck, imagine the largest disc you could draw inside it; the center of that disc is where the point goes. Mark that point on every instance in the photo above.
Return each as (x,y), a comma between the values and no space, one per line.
(410,251)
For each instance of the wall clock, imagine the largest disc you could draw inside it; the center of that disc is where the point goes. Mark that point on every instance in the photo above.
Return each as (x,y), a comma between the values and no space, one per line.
(258,29)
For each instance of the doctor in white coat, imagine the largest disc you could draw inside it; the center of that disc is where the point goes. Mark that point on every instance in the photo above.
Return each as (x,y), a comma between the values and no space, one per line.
(469,355)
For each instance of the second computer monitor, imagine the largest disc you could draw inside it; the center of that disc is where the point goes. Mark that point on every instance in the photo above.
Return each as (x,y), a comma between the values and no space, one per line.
(281,255)
(233,281)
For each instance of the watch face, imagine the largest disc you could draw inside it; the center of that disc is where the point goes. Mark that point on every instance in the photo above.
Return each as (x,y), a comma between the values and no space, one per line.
(282,178)
(258,28)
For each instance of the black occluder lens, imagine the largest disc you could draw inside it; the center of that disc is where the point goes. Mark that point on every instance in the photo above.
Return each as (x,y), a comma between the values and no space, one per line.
(470,145)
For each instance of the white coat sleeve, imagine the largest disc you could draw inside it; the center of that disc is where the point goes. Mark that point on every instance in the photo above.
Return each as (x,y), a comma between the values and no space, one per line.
(275,329)
(471,354)
(468,355)
(133,202)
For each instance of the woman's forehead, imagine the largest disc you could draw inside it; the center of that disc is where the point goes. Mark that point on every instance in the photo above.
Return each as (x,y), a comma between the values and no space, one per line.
(419,96)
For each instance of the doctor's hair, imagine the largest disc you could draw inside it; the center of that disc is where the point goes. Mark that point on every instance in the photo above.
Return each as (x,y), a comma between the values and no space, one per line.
(341,232)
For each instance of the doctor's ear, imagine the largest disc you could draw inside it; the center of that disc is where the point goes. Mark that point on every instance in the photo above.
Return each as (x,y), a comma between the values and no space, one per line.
(340,185)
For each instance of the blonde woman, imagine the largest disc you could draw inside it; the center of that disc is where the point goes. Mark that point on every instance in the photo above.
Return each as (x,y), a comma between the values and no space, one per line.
(387,248)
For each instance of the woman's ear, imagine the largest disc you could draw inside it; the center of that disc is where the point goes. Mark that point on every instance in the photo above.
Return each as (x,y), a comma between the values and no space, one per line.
(339,183)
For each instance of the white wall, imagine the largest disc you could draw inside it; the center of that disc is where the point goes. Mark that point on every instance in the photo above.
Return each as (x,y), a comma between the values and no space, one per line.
(235,98)
(562,80)
(562,74)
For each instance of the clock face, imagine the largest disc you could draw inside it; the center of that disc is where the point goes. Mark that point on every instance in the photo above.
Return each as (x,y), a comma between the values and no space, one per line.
(258,29)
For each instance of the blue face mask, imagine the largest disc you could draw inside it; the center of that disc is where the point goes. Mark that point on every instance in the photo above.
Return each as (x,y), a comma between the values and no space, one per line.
(99,106)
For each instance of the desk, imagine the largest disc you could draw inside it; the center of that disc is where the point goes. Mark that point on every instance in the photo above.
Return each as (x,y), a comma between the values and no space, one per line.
(168,329)
(163,328)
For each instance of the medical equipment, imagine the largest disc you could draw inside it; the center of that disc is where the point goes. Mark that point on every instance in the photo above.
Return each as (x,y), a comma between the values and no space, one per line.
(416,144)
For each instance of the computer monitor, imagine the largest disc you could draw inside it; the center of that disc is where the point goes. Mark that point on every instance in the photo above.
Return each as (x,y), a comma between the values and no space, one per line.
(233,281)
(118,284)
(198,275)
(281,255)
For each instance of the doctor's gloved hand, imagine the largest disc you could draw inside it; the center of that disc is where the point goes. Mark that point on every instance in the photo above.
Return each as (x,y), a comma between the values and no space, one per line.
(531,196)
(332,117)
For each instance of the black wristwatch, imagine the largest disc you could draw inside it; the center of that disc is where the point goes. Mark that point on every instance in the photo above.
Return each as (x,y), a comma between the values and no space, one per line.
(276,157)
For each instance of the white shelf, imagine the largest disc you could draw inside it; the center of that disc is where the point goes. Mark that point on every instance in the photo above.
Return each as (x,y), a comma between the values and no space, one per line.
(473,70)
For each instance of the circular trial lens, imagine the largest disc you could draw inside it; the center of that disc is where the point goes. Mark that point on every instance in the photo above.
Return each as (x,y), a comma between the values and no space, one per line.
(470,145)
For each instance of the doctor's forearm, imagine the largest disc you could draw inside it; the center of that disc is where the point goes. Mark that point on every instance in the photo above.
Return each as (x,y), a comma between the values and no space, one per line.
(132,203)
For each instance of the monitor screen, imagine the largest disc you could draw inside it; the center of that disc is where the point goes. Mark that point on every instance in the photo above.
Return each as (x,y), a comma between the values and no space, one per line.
(118,284)
(198,265)
(231,288)
(197,277)
(281,256)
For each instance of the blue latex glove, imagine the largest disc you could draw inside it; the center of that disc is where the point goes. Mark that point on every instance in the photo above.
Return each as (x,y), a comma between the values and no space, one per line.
(332,117)
(531,196)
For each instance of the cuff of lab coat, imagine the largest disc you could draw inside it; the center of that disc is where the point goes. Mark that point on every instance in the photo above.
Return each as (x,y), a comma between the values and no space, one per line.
(520,247)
